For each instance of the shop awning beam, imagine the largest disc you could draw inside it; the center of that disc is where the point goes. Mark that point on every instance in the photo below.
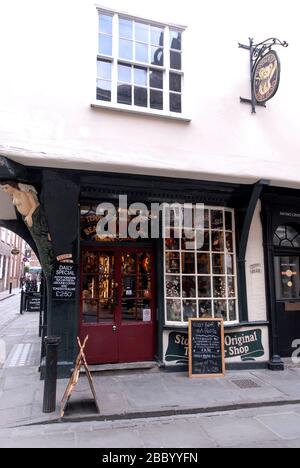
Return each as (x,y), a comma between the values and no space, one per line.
(255,195)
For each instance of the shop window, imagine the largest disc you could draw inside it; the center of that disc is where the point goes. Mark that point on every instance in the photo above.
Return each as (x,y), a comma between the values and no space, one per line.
(200,280)
(139,64)
(287,235)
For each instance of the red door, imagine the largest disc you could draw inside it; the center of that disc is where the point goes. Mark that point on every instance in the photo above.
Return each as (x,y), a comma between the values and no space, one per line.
(117,304)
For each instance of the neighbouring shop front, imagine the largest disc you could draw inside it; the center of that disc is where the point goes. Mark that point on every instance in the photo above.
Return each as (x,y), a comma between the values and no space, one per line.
(281,215)
(134,296)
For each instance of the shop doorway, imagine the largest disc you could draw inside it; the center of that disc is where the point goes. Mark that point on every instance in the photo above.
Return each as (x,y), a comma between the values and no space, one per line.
(118,304)
(287,281)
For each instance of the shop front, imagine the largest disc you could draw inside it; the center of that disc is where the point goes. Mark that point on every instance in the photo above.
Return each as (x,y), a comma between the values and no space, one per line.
(136,289)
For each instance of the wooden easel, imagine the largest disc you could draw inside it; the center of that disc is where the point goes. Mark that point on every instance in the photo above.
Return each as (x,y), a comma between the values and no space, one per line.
(80,361)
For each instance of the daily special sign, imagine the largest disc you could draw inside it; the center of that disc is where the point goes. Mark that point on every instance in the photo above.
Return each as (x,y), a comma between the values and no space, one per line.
(64,282)
(206,348)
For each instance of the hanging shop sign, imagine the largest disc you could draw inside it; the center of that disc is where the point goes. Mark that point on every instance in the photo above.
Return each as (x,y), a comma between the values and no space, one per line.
(264,71)
(206,348)
(64,282)
(266,77)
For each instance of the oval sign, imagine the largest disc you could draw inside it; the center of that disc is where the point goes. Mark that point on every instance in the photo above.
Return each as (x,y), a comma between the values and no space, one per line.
(15,251)
(266,77)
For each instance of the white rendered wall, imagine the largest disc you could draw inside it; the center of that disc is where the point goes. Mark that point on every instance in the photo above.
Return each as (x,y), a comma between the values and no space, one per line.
(47,83)
(255,271)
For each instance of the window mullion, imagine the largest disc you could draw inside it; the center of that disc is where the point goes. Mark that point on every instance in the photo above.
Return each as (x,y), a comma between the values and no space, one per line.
(114,96)
(166,90)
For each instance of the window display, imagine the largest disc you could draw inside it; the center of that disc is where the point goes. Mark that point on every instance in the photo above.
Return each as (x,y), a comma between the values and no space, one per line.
(200,280)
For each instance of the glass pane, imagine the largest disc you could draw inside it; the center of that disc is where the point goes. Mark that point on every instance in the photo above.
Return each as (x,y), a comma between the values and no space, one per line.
(125,28)
(174,311)
(229,242)
(188,263)
(188,239)
(124,94)
(175,103)
(231,286)
(203,264)
(156,99)
(291,232)
(205,247)
(173,243)
(157,56)
(142,32)
(175,82)
(143,311)
(217,241)
(218,262)
(156,79)
(296,242)
(124,73)
(157,36)
(230,264)
(217,219)
(175,40)
(129,287)
(287,276)
(90,262)
(103,90)
(220,308)
(189,310)
(126,49)
(140,97)
(204,287)
(105,44)
(219,287)
(232,311)
(141,53)
(188,286)
(140,76)
(105,24)
(228,221)
(129,310)
(144,264)
(90,311)
(205,309)
(175,60)
(104,69)
(129,266)
(172,262)
(173,286)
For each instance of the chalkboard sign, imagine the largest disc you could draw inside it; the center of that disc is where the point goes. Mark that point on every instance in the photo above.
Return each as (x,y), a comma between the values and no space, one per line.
(206,348)
(33,302)
(64,282)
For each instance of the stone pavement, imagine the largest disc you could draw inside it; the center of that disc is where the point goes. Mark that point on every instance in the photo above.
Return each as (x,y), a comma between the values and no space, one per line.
(127,395)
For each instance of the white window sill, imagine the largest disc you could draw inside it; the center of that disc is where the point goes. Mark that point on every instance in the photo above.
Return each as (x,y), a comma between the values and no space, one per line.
(147,112)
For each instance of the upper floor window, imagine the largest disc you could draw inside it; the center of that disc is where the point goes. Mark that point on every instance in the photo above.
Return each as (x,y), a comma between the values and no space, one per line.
(139,64)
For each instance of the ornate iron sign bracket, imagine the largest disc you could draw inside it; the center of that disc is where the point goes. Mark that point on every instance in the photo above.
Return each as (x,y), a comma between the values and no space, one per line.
(257,53)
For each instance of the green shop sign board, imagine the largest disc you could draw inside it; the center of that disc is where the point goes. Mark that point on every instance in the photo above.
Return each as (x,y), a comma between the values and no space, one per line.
(246,345)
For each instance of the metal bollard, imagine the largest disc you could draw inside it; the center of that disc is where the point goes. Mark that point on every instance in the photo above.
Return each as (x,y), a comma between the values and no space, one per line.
(49,402)
(22,302)
(10,288)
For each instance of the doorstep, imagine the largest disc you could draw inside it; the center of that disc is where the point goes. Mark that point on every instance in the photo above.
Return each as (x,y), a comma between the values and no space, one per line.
(131,366)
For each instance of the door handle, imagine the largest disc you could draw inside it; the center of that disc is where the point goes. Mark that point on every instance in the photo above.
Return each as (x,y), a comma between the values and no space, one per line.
(114,329)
